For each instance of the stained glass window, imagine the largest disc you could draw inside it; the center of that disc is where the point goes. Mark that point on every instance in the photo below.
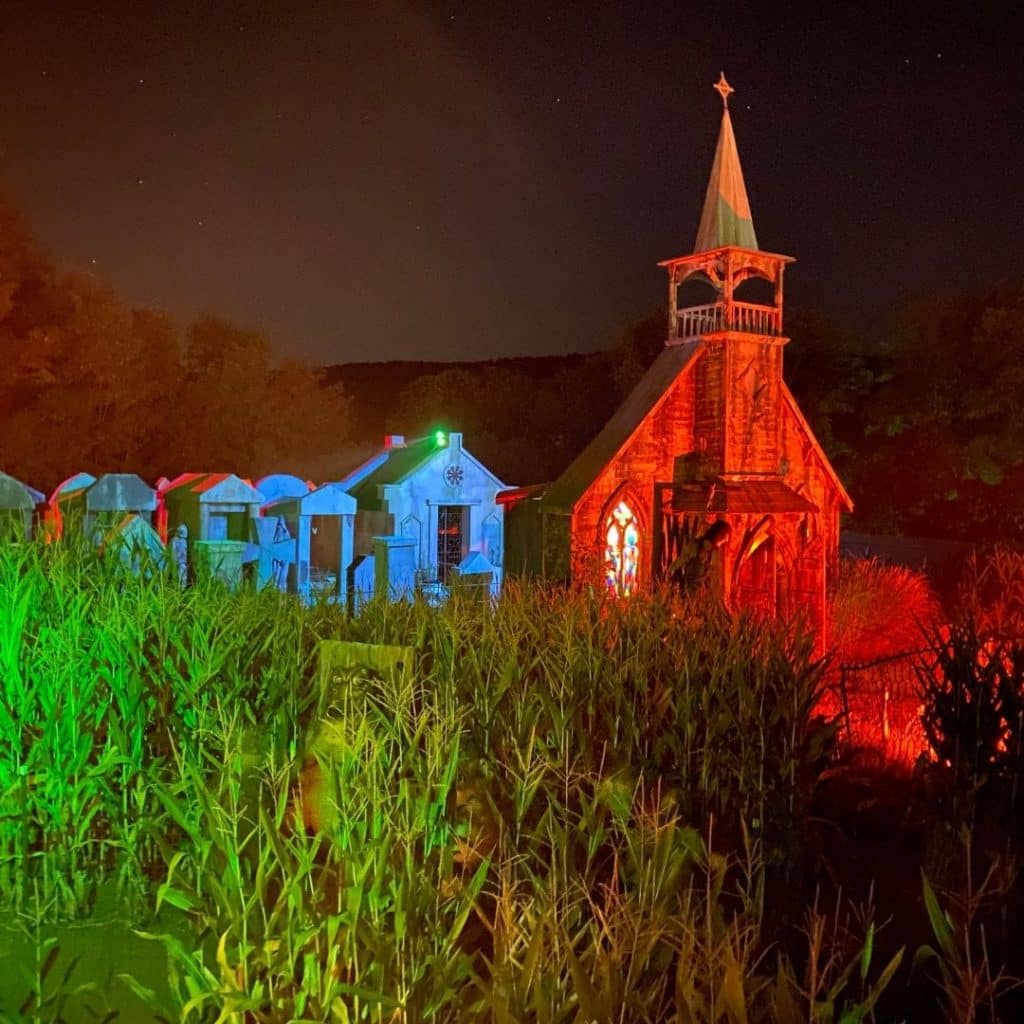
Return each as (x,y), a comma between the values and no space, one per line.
(622,550)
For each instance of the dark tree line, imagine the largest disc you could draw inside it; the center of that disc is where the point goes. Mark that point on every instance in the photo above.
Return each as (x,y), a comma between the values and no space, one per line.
(924,423)
(89,383)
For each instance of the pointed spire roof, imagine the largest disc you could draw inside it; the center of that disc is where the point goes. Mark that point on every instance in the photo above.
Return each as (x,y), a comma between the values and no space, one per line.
(726,219)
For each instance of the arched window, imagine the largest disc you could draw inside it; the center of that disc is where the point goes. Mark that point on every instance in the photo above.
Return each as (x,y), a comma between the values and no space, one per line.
(621,550)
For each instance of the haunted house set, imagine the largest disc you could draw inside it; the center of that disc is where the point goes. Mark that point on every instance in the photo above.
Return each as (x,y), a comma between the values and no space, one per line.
(708,470)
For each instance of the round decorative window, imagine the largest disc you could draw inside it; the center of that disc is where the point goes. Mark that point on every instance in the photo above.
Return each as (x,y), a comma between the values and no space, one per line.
(453,476)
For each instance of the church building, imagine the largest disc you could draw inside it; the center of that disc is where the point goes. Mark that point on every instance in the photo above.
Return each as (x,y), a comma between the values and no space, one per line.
(708,470)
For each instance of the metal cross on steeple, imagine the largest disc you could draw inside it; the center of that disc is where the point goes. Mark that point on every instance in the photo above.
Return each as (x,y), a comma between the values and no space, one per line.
(723,88)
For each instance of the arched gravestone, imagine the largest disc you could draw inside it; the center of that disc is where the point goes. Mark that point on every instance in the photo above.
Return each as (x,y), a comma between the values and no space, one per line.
(362,578)
(282,485)
(18,504)
(54,515)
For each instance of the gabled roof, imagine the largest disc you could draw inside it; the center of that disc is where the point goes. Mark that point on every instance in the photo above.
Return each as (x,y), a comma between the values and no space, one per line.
(790,401)
(562,495)
(649,393)
(397,464)
(393,468)
(363,470)
(212,488)
(118,492)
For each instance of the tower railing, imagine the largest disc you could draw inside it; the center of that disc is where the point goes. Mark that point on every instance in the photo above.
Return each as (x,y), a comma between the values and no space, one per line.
(694,322)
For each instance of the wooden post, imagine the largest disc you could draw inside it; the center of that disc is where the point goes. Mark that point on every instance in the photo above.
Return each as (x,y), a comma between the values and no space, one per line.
(673,299)
(346,531)
(303,543)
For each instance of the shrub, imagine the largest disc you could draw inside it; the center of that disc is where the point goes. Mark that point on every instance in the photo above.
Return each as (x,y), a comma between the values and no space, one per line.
(880,617)
(878,611)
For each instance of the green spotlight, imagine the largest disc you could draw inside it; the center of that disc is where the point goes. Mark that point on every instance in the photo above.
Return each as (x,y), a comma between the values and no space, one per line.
(441,438)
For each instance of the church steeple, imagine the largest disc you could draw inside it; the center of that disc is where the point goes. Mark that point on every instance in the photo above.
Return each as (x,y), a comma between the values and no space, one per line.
(726,219)
(726,257)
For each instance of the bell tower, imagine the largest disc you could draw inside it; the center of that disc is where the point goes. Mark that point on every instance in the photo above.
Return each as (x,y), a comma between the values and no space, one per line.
(739,376)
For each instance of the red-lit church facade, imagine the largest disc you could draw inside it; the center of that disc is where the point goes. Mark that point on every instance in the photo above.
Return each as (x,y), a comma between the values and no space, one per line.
(708,470)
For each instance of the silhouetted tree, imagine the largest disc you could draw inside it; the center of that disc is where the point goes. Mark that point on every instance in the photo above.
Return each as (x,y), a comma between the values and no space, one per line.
(91,384)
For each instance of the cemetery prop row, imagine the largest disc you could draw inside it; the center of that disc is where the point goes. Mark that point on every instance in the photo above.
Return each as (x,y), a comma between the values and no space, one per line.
(420,518)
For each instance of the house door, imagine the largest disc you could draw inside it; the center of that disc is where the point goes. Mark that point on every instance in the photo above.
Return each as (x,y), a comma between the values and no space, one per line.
(451,538)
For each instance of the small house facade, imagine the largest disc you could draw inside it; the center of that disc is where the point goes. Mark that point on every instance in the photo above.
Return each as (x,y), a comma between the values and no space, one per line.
(98,505)
(435,503)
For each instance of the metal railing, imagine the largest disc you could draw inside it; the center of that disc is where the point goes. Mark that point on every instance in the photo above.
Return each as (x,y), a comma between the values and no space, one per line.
(747,317)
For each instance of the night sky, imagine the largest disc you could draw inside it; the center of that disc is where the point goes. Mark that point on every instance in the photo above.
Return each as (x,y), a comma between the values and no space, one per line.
(453,181)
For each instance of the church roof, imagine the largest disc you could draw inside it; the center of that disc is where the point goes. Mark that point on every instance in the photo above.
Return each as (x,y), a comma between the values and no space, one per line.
(726,219)
(642,400)
(561,496)
(805,427)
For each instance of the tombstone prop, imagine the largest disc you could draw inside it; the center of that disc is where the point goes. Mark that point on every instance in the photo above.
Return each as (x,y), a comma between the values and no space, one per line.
(473,578)
(342,666)
(395,565)
(101,505)
(18,505)
(273,552)
(322,523)
(136,545)
(220,511)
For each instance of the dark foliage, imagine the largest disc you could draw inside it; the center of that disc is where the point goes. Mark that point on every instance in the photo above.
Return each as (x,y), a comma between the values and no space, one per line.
(91,384)
(973,716)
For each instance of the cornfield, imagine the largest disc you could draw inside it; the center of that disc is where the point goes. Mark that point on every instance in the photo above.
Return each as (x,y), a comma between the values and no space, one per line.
(553,808)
